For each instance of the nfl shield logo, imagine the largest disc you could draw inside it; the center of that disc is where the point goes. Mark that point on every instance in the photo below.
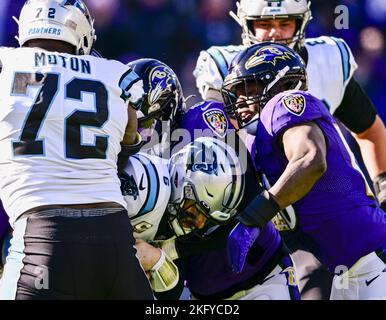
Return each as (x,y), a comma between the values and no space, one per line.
(216,121)
(295,103)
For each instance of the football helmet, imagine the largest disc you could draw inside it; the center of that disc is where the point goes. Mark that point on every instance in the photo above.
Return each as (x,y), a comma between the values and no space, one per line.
(161,96)
(250,10)
(207,184)
(272,67)
(63,20)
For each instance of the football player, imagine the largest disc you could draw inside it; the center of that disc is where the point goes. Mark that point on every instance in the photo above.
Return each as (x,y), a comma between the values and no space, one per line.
(160,103)
(63,120)
(303,153)
(208,188)
(333,83)
(145,185)
(285,21)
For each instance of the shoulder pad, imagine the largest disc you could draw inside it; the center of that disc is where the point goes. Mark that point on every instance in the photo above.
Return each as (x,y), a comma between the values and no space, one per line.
(212,67)
(331,45)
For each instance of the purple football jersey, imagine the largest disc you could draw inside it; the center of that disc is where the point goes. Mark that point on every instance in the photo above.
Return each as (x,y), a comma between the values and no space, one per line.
(209,273)
(209,117)
(338,213)
(4,224)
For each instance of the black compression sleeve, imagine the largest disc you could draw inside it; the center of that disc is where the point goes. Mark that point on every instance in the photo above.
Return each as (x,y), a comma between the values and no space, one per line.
(356,110)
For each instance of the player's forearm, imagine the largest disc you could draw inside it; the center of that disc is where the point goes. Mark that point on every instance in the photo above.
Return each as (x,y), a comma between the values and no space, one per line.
(295,182)
(298,179)
(130,136)
(372,143)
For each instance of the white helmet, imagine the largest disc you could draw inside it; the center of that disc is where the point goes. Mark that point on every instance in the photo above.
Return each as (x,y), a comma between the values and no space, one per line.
(64,20)
(250,10)
(208,176)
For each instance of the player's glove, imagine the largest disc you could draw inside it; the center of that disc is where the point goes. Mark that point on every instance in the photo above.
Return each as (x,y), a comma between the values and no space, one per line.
(240,241)
(251,220)
(380,190)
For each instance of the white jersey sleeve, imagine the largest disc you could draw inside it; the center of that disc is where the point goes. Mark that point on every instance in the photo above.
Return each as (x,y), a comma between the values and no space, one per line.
(212,68)
(330,67)
(145,185)
(62,119)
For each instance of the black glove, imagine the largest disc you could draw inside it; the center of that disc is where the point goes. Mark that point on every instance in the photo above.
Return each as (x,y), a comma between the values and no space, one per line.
(260,211)
(380,189)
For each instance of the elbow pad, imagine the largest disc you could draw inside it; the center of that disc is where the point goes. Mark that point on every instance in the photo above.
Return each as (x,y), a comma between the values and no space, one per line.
(164,274)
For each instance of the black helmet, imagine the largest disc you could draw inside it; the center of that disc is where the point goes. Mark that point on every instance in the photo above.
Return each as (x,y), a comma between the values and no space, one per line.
(162,98)
(272,67)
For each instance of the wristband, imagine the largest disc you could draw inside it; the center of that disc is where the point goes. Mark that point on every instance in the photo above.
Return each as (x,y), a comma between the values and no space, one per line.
(260,211)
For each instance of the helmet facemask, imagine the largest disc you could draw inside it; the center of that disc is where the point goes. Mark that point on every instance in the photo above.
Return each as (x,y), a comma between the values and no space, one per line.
(165,110)
(247,13)
(207,181)
(258,89)
(189,215)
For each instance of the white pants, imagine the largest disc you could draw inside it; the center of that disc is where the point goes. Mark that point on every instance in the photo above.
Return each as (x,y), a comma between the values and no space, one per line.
(365,280)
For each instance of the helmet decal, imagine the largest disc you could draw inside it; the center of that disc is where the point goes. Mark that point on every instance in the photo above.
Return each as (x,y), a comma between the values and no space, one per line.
(160,80)
(268,55)
(205,166)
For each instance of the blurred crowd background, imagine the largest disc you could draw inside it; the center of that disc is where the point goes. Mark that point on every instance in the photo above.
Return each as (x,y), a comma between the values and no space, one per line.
(175,31)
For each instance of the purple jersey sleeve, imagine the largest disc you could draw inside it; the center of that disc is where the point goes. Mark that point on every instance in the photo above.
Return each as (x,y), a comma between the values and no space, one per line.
(289,109)
(4,224)
(208,116)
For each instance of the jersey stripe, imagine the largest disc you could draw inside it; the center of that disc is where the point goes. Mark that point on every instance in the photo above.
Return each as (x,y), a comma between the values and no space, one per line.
(220,61)
(153,188)
(345,58)
(127,81)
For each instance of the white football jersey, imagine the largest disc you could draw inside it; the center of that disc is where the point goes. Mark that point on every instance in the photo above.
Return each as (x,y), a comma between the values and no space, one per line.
(145,185)
(62,119)
(330,66)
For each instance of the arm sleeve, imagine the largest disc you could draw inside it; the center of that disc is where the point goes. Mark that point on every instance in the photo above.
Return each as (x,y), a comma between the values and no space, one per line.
(356,110)
(210,71)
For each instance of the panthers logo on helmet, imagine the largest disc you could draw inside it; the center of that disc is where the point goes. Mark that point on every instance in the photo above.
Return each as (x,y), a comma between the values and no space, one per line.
(159,82)
(268,55)
(216,121)
(129,186)
(208,161)
(295,103)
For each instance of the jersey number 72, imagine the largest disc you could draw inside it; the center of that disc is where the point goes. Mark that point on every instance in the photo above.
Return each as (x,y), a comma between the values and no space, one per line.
(29,145)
